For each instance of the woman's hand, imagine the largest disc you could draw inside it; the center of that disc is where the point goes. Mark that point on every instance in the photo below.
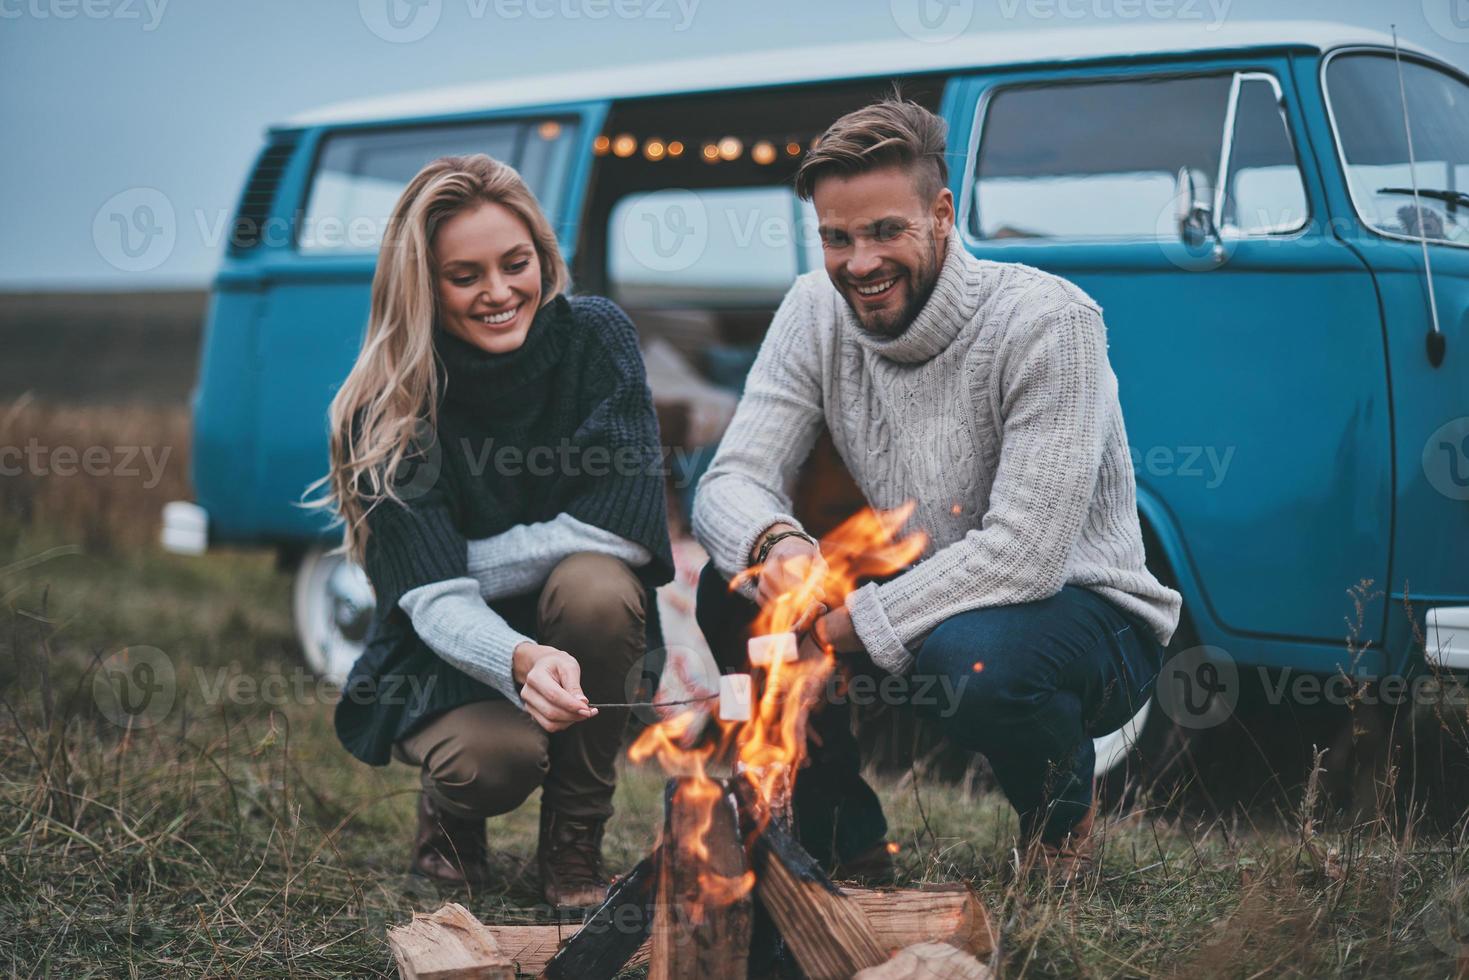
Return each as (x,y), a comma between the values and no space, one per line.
(550,686)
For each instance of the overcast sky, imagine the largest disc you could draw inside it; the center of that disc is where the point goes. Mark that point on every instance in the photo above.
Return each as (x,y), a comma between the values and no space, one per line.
(103,97)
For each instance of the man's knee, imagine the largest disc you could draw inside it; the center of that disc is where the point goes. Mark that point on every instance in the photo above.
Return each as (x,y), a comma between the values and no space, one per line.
(592,597)
(488,771)
(983,676)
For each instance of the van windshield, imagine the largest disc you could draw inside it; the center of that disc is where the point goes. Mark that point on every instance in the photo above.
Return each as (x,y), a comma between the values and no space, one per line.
(1367,105)
(359,174)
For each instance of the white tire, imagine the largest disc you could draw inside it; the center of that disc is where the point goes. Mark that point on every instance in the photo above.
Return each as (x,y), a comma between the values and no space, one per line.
(1112,748)
(333,605)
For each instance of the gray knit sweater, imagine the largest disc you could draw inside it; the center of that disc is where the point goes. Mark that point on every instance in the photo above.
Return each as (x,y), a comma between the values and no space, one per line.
(996,411)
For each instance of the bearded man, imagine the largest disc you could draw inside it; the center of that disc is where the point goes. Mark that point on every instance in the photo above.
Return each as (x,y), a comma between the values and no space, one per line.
(981,391)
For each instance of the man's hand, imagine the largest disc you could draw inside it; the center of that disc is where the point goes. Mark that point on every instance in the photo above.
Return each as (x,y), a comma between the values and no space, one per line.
(550,681)
(836,631)
(792,562)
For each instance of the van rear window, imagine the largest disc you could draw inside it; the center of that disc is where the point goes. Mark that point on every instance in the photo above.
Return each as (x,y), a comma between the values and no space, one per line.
(360,174)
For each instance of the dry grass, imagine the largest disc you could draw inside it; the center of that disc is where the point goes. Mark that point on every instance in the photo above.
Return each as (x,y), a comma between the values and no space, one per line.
(234,837)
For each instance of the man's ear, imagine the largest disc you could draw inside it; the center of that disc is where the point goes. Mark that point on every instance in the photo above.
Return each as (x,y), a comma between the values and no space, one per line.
(942,212)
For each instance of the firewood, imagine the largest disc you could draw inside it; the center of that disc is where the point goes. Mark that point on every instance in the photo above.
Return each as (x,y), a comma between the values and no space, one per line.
(610,935)
(698,932)
(928,961)
(827,932)
(450,944)
(900,917)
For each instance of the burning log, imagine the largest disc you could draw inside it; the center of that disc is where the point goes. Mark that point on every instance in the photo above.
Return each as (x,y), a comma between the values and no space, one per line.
(704,911)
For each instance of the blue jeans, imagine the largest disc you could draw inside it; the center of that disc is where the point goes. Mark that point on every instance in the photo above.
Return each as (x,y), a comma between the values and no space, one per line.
(1028,686)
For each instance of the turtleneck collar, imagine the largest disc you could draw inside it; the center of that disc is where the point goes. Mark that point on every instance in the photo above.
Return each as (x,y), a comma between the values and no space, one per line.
(953,303)
(477,380)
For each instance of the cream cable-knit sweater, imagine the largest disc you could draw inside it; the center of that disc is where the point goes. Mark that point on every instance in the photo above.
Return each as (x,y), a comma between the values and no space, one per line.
(996,411)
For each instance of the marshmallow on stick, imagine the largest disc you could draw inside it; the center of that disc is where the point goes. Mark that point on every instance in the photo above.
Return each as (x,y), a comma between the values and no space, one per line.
(734,697)
(765,650)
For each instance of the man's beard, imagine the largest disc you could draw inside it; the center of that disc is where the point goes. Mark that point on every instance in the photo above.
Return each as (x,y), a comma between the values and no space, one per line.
(921,282)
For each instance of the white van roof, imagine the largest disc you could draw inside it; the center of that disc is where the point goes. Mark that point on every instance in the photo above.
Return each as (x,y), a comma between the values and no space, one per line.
(849,61)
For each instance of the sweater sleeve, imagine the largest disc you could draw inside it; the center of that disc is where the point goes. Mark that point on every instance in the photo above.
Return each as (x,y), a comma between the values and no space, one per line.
(747,488)
(518,561)
(452,618)
(1055,381)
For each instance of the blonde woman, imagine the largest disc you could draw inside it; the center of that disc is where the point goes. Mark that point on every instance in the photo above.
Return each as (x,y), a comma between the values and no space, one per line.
(494,464)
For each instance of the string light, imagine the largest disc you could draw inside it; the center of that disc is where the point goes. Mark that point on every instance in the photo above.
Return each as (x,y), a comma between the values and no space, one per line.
(654,148)
(549,130)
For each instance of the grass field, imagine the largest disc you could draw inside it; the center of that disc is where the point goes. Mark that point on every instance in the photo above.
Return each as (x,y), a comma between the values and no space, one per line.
(231,836)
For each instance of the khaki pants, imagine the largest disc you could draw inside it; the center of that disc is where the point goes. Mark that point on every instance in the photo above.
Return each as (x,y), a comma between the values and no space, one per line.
(487,757)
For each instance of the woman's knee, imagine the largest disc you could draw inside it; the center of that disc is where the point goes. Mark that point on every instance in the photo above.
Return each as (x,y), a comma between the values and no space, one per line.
(593,597)
(488,772)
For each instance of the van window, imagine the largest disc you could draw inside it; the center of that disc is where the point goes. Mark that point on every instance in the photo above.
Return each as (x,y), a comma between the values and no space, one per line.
(359,175)
(1090,160)
(1367,108)
(730,247)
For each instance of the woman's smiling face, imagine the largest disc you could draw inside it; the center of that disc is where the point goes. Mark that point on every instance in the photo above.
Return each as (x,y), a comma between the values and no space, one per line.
(488,277)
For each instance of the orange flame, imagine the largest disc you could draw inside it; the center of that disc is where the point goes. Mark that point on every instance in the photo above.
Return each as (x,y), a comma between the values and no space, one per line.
(771,747)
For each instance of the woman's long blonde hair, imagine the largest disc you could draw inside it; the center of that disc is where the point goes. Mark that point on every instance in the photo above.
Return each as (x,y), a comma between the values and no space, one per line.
(392,391)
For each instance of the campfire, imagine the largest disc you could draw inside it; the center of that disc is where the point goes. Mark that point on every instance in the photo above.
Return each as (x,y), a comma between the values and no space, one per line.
(728,891)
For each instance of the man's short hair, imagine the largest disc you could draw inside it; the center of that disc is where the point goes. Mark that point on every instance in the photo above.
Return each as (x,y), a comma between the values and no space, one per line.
(890,133)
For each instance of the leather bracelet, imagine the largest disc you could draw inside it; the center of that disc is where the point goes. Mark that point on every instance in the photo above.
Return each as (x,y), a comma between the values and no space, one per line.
(771,541)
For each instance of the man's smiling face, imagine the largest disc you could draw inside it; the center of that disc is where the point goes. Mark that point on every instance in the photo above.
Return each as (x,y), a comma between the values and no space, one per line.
(883,243)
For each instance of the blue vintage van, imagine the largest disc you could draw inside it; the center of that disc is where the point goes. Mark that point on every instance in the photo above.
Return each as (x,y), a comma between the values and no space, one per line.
(1287,297)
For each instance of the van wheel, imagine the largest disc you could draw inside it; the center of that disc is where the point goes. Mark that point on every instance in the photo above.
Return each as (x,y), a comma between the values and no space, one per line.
(333,605)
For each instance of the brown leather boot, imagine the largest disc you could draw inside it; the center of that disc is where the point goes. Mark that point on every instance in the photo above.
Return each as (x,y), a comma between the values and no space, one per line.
(1065,862)
(569,856)
(449,849)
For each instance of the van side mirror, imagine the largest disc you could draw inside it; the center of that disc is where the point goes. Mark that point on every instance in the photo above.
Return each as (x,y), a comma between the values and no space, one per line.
(1195,214)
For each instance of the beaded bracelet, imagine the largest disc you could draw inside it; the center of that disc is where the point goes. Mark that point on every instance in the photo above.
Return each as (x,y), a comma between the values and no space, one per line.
(770,542)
